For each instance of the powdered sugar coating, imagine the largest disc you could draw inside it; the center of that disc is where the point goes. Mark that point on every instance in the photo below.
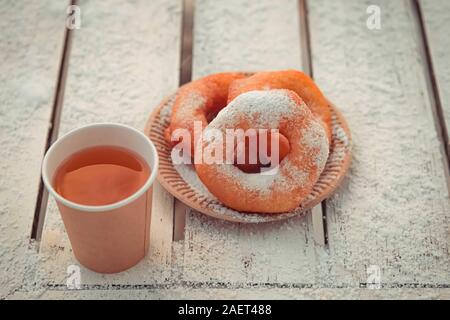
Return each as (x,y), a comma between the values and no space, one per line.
(266,110)
(271,107)
(193,100)
(187,173)
(312,137)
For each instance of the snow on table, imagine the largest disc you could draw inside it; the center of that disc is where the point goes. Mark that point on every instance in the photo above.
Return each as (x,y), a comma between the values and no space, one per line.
(390,217)
(31,42)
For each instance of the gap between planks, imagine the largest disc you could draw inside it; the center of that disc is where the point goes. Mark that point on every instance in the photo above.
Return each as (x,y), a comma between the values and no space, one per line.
(187,28)
(52,133)
(431,82)
(318,213)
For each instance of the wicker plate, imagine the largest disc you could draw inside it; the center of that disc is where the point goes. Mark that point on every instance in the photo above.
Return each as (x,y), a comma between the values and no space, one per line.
(183,183)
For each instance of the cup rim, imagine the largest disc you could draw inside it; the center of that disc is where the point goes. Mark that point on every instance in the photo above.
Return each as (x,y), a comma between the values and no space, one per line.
(108,207)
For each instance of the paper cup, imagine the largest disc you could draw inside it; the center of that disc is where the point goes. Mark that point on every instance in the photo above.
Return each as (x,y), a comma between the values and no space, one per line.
(109,238)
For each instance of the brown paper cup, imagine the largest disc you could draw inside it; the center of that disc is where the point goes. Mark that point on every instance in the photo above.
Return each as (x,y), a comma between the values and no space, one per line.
(110,238)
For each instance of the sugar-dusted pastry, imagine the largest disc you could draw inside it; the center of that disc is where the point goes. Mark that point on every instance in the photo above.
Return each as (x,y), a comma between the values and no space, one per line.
(199,100)
(293,179)
(293,80)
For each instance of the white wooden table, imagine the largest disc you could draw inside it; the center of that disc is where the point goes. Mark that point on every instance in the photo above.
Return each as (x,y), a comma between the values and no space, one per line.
(392,213)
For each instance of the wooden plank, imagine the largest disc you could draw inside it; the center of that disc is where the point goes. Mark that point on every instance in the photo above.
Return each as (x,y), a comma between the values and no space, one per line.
(242,35)
(436,18)
(393,210)
(31,43)
(187,293)
(125,60)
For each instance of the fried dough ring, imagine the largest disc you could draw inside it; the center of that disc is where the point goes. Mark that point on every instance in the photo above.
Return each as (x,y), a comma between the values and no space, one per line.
(200,100)
(293,80)
(297,173)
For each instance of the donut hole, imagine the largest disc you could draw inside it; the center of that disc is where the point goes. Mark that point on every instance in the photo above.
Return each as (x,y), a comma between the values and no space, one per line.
(213,109)
(249,159)
(212,114)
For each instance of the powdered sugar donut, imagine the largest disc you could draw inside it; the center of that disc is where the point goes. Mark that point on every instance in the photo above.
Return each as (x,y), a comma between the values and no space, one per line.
(293,80)
(199,100)
(296,174)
